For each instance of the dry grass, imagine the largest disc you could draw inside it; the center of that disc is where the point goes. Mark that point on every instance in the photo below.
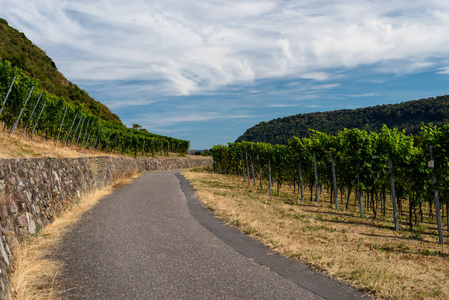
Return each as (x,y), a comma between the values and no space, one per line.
(12,146)
(15,147)
(365,253)
(35,272)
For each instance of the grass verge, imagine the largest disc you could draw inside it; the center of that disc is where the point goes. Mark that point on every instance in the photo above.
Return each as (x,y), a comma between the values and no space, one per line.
(34,270)
(365,253)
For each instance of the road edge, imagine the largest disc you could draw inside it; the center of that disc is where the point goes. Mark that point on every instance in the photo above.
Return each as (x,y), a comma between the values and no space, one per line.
(295,271)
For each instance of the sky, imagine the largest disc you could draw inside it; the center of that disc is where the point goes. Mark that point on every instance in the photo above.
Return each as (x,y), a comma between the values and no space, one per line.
(206,71)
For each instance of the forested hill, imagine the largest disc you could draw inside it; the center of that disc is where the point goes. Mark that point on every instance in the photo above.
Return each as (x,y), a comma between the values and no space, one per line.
(22,53)
(407,115)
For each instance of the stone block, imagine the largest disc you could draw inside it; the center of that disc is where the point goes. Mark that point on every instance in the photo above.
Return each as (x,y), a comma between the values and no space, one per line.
(22,221)
(31,224)
(3,252)
(4,212)
(13,206)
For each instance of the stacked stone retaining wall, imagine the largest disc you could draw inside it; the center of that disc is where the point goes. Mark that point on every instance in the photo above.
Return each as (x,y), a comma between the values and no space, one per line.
(34,191)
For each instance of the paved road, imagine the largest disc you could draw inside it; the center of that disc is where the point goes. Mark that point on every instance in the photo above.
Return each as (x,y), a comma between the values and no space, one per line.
(152,240)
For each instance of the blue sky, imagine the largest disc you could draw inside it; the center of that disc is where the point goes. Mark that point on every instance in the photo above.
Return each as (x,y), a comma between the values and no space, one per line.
(206,71)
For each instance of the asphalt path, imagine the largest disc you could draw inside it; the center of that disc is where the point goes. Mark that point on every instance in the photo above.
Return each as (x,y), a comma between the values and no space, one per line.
(152,239)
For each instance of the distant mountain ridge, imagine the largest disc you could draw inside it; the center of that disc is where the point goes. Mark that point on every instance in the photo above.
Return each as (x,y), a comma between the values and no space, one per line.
(407,115)
(16,48)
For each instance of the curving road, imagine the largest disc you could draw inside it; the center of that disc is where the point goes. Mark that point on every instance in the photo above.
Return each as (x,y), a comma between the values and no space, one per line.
(152,239)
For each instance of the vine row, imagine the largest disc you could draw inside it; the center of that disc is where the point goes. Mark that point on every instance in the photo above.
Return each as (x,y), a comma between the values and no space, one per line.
(384,170)
(27,108)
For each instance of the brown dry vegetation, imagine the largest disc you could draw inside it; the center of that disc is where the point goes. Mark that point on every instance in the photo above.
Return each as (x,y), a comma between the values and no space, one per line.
(366,253)
(35,272)
(12,146)
(16,147)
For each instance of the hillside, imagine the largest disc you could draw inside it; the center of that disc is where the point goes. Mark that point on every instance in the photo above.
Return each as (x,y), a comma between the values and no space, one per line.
(407,115)
(22,53)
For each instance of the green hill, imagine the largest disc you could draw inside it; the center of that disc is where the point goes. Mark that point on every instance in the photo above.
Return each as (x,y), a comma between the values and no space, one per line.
(407,115)
(22,53)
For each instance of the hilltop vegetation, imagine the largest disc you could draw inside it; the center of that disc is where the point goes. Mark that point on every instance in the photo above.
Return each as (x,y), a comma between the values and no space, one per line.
(407,115)
(16,48)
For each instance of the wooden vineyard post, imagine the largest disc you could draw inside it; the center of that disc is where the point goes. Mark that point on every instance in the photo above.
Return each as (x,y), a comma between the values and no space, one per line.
(60,127)
(7,94)
(382,203)
(29,119)
(243,165)
(437,201)
(247,167)
(269,173)
(335,182)
(344,195)
(84,136)
(300,181)
(91,142)
(76,130)
(21,111)
(85,133)
(79,135)
(87,142)
(96,139)
(359,189)
(252,167)
(95,143)
(70,130)
(260,171)
(317,197)
(37,121)
(393,195)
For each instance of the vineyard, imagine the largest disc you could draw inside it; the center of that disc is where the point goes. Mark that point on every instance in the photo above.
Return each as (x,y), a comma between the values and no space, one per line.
(26,108)
(388,174)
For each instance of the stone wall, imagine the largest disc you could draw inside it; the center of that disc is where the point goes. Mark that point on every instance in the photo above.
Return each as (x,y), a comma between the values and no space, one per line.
(34,191)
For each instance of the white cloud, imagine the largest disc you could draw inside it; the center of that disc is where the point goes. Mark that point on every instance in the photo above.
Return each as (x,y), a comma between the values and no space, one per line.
(161,122)
(282,105)
(362,95)
(319,76)
(202,46)
(324,86)
(444,70)
(114,104)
